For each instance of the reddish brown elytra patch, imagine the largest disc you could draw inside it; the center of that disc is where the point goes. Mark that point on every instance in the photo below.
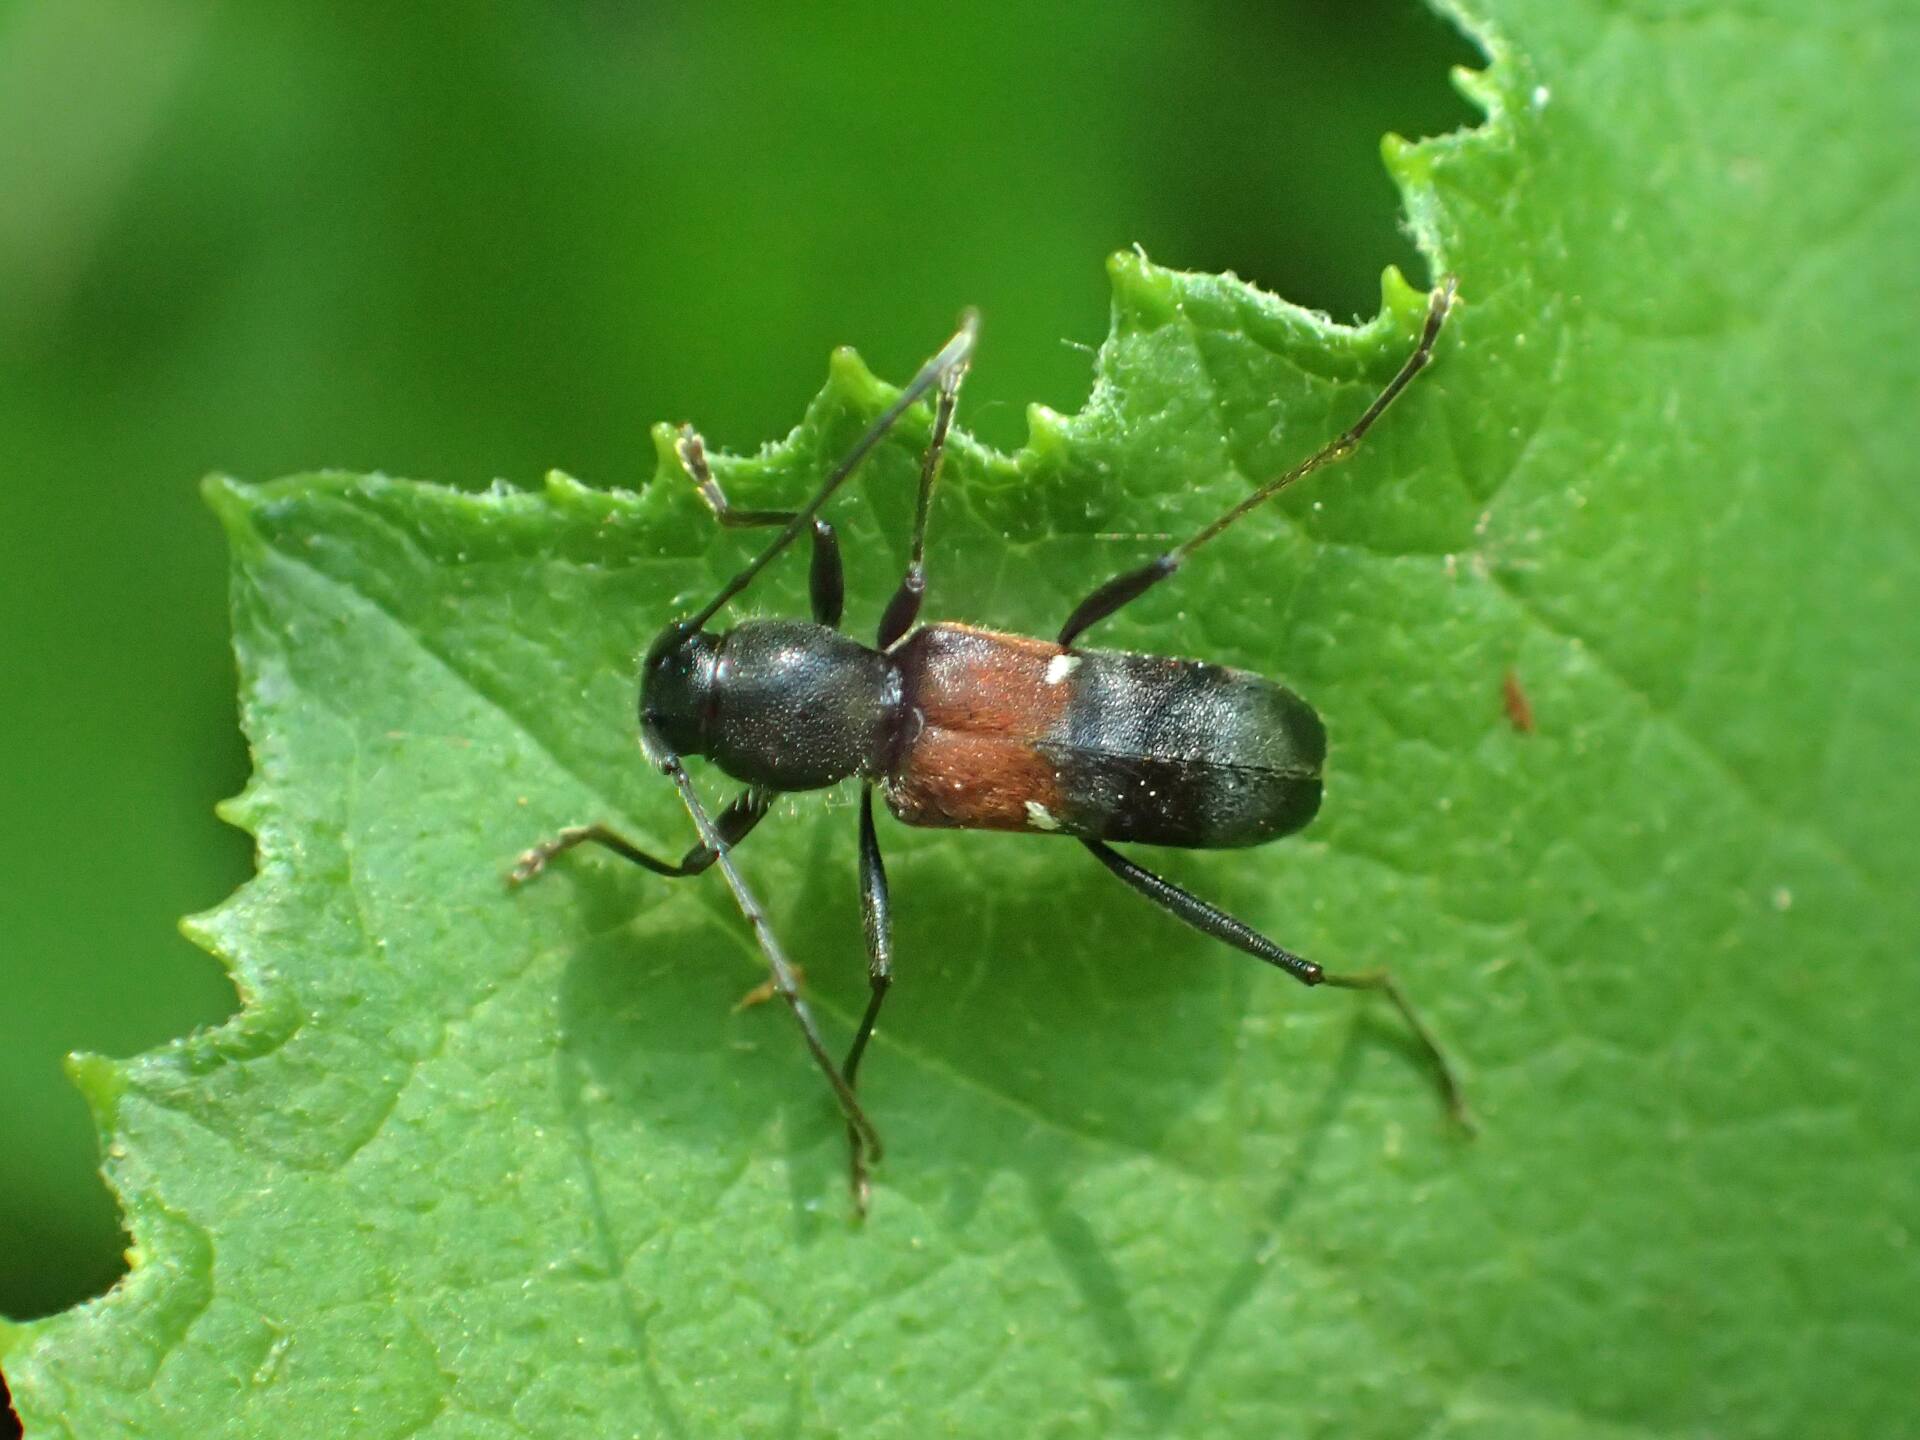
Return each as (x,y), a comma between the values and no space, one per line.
(986,699)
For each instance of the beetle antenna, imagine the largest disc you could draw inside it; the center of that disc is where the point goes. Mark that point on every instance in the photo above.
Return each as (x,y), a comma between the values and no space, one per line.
(1125,588)
(956,353)
(1349,439)
(785,982)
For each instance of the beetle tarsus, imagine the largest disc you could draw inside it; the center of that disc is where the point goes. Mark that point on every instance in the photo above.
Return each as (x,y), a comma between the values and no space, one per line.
(1448,1078)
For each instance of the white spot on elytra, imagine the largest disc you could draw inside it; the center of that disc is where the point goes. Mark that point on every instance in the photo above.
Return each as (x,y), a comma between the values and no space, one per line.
(1060,667)
(1039,817)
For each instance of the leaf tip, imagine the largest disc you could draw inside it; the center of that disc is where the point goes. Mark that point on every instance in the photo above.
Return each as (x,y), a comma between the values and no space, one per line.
(202,927)
(102,1081)
(1408,161)
(240,811)
(1477,87)
(1047,434)
(232,504)
(667,469)
(1400,299)
(849,378)
(562,488)
(1144,295)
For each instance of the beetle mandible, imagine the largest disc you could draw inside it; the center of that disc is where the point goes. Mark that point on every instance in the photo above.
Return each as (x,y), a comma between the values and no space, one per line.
(973,729)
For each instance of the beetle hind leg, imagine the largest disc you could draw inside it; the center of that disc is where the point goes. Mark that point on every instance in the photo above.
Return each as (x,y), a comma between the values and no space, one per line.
(1445,1075)
(1211,920)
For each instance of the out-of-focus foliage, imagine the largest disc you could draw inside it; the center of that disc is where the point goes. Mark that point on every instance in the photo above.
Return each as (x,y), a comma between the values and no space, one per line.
(462,242)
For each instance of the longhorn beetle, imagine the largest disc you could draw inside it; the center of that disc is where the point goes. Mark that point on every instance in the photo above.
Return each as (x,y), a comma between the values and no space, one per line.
(974,729)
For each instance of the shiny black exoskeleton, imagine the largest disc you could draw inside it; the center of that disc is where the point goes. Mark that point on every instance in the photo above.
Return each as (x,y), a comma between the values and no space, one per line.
(1097,745)
(975,729)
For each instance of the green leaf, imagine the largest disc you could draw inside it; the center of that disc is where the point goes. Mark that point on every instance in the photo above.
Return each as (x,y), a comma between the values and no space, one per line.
(472,1163)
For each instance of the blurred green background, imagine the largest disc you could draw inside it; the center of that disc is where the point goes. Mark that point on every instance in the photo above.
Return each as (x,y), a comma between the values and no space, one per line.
(463,241)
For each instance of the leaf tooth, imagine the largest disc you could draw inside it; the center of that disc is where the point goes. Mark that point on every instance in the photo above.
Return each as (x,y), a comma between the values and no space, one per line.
(851,383)
(565,491)
(1479,87)
(1399,298)
(102,1081)
(244,810)
(1046,435)
(1145,296)
(232,503)
(1409,161)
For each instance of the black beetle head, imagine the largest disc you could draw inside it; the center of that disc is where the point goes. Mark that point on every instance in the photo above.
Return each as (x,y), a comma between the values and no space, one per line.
(676,688)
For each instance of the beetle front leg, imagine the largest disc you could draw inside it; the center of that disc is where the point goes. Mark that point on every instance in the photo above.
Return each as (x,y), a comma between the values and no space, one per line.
(826,579)
(904,608)
(734,825)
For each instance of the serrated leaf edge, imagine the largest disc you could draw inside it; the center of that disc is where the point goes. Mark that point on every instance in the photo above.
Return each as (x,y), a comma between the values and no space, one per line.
(1144,295)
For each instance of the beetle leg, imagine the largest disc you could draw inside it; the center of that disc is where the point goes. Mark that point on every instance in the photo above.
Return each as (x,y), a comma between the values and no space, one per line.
(786,983)
(1210,920)
(904,608)
(826,580)
(734,824)
(957,351)
(765,991)
(876,917)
